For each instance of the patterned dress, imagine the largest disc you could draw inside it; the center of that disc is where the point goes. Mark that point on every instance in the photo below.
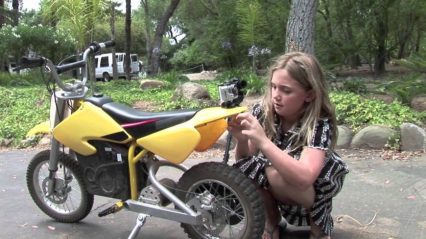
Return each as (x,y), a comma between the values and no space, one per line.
(327,185)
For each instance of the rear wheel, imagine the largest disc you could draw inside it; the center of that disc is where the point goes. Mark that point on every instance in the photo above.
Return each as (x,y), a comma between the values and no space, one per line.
(69,202)
(228,201)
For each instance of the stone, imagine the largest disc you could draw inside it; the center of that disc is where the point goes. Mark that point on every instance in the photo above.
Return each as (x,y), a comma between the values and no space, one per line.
(344,137)
(419,103)
(385,98)
(373,137)
(191,91)
(148,84)
(413,137)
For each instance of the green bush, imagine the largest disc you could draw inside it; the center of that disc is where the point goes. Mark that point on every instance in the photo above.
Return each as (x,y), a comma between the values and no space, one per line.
(25,106)
(356,111)
(22,108)
(405,87)
(354,85)
(32,77)
(173,77)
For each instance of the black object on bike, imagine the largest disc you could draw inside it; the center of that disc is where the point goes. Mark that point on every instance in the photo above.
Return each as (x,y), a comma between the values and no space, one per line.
(231,92)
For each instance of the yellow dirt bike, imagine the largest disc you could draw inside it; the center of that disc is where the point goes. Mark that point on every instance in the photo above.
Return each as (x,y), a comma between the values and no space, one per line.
(101,147)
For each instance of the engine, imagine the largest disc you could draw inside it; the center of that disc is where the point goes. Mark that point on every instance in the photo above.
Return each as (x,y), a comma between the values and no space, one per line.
(106,173)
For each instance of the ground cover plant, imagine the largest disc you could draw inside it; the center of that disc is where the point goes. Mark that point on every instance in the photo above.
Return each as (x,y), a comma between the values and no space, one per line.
(25,102)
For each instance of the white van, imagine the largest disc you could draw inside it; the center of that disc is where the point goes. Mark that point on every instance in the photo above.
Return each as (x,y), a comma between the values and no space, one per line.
(104,65)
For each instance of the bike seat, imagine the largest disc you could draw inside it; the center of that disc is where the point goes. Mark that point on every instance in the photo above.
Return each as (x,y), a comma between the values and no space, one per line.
(99,100)
(140,123)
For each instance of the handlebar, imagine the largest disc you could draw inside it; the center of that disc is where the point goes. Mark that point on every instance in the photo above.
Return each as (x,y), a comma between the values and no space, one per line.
(94,47)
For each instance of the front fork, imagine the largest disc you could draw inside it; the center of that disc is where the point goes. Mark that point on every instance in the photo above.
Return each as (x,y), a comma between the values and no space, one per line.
(57,113)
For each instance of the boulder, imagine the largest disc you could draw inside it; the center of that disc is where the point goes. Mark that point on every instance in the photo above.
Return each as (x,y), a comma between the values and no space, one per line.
(383,97)
(373,137)
(412,137)
(148,84)
(344,137)
(419,103)
(191,91)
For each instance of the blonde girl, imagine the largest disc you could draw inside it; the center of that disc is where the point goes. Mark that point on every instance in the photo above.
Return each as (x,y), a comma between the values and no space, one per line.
(286,145)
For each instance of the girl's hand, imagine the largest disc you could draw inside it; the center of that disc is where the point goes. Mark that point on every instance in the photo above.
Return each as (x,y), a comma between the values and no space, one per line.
(250,128)
(234,127)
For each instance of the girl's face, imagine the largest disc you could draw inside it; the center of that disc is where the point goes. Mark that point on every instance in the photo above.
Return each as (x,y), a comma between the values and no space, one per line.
(288,96)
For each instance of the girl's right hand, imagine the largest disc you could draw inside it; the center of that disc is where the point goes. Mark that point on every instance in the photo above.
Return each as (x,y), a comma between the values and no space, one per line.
(234,127)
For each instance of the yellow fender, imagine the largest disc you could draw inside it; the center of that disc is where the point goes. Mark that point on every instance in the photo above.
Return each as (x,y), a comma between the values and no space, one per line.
(42,128)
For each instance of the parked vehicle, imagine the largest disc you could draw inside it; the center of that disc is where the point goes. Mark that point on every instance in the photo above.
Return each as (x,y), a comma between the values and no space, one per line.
(119,158)
(103,64)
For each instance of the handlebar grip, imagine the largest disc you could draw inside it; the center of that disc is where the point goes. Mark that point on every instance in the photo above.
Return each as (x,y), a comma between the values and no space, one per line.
(97,46)
(70,66)
(27,62)
(107,44)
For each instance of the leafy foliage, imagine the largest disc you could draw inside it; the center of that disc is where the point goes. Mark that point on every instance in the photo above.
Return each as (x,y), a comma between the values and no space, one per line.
(47,41)
(355,86)
(22,108)
(405,87)
(356,111)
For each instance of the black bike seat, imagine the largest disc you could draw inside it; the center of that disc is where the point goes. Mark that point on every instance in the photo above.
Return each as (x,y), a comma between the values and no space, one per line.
(140,123)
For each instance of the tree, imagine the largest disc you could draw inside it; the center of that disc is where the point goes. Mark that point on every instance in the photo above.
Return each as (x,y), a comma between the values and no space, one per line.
(2,12)
(80,16)
(154,45)
(15,12)
(251,25)
(128,24)
(114,5)
(301,26)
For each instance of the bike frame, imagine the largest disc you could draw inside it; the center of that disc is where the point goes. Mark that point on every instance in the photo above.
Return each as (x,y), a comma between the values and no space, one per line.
(201,123)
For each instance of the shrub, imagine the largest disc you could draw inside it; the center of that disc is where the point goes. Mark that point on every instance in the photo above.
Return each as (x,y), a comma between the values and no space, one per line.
(173,77)
(354,85)
(405,87)
(356,111)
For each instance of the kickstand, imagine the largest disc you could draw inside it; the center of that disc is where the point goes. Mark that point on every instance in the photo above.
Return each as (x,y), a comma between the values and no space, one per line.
(227,148)
(140,221)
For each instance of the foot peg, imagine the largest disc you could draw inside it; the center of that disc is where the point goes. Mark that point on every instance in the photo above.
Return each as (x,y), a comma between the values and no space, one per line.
(113,209)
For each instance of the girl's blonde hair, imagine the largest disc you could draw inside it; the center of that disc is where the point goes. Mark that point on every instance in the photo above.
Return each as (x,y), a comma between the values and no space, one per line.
(306,70)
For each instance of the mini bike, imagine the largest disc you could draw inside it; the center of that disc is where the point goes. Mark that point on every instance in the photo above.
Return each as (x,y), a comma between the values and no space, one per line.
(101,147)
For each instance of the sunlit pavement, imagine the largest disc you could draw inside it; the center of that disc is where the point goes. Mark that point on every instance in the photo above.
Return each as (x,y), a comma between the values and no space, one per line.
(380,199)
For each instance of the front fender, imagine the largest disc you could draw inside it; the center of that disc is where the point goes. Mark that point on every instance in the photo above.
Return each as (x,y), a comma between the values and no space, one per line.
(42,128)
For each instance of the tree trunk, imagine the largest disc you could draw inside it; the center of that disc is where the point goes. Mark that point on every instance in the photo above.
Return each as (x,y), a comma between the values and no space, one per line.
(301,26)
(154,58)
(128,39)
(147,29)
(15,12)
(114,60)
(381,36)
(2,12)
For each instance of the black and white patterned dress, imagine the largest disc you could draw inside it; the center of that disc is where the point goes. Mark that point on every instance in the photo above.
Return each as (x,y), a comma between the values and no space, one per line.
(327,185)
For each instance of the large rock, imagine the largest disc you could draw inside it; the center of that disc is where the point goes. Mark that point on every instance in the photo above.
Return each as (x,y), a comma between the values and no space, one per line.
(383,97)
(412,137)
(419,103)
(344,137)
(191,91)
(373,137)
(148,84)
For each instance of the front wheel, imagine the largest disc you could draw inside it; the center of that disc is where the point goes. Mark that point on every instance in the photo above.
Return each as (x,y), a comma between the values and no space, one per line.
(230,204)
(69,201)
